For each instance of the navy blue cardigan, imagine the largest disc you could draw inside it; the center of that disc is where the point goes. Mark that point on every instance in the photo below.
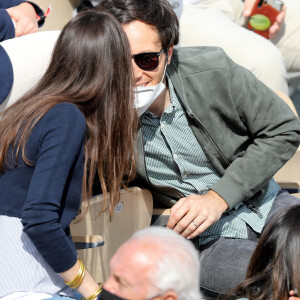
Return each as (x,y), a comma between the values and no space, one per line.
(46,196)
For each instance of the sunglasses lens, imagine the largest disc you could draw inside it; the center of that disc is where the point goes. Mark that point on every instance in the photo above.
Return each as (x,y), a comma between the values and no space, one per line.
(146,61)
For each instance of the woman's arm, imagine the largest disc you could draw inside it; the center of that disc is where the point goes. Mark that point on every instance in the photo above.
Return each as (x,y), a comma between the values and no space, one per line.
(55,190)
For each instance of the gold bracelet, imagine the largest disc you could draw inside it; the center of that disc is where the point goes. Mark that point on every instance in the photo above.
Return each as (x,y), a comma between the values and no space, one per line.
(96,293)
(79,277)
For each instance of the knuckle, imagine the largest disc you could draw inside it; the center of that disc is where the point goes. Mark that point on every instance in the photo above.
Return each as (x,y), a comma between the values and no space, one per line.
(176,216)
(205,214)
(181,226)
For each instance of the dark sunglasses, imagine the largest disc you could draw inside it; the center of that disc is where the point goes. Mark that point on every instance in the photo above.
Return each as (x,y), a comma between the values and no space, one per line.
(147,61)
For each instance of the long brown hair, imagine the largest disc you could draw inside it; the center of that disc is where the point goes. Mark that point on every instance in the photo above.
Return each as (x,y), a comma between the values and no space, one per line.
(274,267)
(90,68)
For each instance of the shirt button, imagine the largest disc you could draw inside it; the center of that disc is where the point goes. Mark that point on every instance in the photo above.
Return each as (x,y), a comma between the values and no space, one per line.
(175,156)
(184,176)
(162,125)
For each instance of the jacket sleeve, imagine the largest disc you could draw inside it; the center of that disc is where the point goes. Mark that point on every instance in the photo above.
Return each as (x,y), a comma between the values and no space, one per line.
(7,29)
(274,135)
(54,195)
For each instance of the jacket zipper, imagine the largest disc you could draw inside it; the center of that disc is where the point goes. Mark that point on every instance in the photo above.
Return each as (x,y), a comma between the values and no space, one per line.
(254,209)
(250,206)
(210,138)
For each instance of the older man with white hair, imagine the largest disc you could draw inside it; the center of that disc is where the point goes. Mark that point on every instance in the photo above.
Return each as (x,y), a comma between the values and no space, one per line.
(155,263)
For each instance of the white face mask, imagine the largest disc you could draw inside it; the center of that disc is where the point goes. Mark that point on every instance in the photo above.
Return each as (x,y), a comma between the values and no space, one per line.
(146,95)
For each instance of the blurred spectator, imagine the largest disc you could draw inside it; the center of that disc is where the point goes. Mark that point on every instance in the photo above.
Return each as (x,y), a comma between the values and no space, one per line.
(274,270)
(220,23)
(155,263)
(18,17)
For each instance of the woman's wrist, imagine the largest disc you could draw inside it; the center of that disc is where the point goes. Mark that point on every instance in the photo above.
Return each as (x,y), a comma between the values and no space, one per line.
(95,294)
(84,283)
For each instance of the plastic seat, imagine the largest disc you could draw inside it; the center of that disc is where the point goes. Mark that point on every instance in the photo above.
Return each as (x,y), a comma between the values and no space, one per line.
(288,177)
(132,214)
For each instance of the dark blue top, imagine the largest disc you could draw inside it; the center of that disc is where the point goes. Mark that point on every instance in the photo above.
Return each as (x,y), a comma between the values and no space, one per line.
(6,74)
(46,196)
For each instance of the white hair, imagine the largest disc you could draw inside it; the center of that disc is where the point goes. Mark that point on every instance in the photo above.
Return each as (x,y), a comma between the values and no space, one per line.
(177,265)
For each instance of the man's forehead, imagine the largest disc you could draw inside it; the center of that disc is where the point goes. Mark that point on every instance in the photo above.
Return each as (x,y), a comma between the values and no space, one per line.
(131,265)
(142,37)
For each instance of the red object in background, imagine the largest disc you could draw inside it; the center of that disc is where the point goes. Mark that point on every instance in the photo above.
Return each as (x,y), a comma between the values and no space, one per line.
(263,15)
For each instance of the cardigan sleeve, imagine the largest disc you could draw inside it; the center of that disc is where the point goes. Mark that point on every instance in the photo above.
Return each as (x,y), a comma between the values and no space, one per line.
(54,194)
(6,74)
(7,29)
(10,3)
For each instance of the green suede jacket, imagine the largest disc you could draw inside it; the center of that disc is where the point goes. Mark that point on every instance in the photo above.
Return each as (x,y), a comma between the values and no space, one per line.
(244,128)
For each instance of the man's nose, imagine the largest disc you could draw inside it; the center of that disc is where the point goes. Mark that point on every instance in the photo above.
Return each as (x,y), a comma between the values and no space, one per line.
(110,285)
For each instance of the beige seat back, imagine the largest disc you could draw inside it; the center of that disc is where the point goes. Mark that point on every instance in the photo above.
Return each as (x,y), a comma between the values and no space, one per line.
(288,177)
(288,101)
(132,214)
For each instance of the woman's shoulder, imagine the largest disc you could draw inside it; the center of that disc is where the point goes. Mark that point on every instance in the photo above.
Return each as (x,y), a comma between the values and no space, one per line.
(66,109)
(66,113)
(65,118)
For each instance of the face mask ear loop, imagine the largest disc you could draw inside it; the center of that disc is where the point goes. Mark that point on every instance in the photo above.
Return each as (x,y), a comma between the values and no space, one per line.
(163,77)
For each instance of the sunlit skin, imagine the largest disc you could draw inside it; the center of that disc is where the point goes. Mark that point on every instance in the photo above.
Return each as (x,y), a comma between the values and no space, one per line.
(130,270)
(143,38)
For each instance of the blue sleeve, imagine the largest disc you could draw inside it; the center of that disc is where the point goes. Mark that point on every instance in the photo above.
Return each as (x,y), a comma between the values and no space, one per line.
(6,75)
(61,134)
(7,29)
(10,3)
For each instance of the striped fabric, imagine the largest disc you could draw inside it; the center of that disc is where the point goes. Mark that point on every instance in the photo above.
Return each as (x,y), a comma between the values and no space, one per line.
(174,158)
(22,267)
(27,296)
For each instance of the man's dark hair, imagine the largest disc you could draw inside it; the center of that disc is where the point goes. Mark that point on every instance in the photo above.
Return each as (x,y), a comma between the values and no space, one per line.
(156,13)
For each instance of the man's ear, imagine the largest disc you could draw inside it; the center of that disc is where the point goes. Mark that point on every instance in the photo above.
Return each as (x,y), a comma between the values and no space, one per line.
(169,295)
(170,53)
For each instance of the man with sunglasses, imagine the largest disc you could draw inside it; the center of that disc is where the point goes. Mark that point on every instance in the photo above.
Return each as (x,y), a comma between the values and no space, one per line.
(211,137)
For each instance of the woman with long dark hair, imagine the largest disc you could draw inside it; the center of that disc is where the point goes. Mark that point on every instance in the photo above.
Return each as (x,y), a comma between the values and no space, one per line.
(78,121)
(274,269)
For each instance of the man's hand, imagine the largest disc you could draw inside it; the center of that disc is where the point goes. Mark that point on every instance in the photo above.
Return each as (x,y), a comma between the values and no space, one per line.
(192,215)
(25,18)
(248,6)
